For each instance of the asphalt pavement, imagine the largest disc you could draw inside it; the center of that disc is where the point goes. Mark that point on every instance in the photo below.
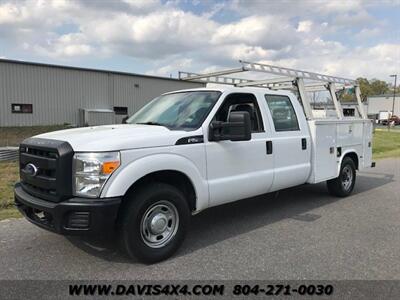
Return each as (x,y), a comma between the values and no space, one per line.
(300,233)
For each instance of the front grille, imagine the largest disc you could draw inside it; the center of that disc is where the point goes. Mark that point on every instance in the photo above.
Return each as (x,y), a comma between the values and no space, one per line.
(49,174)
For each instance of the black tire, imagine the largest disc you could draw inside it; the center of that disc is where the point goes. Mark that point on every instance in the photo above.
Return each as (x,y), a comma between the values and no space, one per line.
(342,186)
(156,199)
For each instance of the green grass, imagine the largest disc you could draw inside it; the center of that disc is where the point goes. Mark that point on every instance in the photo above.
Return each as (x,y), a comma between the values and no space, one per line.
(385,144)
(8,213)
(8,177)
(13,136)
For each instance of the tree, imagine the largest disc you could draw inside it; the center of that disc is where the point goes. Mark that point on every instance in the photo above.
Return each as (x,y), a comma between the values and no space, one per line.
(372,87)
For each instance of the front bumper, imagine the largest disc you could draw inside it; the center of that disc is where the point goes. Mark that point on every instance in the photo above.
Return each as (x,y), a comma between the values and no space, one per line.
(75,216)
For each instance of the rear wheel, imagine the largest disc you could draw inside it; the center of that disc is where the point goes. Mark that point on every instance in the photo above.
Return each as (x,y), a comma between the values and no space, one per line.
(155,222)
(343,185)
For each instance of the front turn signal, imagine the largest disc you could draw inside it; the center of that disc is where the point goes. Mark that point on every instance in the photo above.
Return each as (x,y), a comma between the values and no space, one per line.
(110,166)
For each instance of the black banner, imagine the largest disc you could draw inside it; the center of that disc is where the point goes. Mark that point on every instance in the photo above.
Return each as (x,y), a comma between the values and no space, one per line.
(257,289)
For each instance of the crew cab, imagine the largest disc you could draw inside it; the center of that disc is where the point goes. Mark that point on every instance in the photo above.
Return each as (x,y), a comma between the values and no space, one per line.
(182,153)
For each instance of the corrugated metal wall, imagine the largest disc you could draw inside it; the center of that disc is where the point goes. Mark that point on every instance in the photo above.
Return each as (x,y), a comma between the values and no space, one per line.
(57,93)
(383,103)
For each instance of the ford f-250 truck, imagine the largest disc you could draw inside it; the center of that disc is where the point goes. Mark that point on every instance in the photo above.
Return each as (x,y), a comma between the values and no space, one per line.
(182,153)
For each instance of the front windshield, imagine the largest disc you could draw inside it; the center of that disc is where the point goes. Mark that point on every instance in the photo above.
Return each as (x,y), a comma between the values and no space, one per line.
(179,111)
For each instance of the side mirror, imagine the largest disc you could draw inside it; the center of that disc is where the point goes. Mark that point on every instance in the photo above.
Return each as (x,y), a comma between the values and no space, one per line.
(238,128)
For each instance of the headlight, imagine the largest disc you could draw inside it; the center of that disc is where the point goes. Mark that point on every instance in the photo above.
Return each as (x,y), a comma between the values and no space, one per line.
(91,171)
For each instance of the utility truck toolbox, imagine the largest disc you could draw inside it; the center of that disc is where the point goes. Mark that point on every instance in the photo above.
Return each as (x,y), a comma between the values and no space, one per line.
(189,150)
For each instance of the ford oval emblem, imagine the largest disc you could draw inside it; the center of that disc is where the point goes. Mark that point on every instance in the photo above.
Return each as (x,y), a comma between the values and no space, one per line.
(31,169)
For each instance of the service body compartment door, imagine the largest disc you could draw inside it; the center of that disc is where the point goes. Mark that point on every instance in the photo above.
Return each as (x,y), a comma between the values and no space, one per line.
(367,145)
(324,155)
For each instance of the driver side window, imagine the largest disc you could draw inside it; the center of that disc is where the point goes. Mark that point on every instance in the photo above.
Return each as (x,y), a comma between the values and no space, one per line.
(241,102)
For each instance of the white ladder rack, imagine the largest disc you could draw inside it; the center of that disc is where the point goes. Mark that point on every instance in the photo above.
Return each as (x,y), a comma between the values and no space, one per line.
(289,79)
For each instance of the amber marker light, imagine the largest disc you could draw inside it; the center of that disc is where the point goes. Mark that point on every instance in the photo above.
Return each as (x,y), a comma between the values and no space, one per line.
(110,166)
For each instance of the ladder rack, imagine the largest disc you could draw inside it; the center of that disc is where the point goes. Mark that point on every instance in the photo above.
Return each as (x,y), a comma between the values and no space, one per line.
(289,79)
(257,67)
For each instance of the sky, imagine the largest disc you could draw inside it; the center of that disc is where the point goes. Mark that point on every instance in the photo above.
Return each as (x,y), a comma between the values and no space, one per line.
(355,38)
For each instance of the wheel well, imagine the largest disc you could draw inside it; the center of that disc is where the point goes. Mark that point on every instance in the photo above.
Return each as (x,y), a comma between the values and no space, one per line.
(354,157)
(174,178)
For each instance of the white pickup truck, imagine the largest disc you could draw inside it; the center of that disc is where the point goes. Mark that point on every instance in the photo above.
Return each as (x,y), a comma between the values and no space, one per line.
(184,152)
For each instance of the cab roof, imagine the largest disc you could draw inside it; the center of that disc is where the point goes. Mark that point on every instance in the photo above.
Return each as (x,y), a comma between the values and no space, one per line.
(233,89)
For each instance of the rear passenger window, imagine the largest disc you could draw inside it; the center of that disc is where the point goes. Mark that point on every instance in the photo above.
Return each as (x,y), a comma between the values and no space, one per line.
(282,112)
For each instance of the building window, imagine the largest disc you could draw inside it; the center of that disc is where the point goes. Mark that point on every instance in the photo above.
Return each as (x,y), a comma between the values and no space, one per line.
(21,108)
(120,110)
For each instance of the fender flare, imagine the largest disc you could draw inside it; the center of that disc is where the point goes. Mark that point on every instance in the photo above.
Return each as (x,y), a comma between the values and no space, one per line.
(347,151)
(123,179)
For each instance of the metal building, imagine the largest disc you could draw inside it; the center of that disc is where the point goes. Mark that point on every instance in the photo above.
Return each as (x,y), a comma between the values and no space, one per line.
(41,94)
(383,103)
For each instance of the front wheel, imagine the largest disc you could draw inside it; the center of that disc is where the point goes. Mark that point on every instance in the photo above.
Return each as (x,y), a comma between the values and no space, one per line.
(154,223)
(343,185)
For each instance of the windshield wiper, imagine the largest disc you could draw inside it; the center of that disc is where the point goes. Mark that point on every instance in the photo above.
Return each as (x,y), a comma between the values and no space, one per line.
(151,123)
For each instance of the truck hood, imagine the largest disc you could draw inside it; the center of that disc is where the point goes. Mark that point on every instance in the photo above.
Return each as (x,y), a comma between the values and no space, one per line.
(116,137)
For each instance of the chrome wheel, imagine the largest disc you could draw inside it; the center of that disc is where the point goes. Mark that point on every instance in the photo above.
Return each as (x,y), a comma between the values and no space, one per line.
(347,177)
(159,224)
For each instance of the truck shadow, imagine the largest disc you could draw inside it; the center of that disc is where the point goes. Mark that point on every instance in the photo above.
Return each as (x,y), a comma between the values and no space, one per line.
(229,220)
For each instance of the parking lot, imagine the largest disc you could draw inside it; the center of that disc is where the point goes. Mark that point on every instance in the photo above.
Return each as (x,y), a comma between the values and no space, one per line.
(300,233)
